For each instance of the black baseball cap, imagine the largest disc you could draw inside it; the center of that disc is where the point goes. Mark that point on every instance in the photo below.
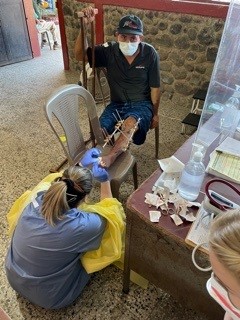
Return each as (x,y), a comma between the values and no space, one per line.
(130,25)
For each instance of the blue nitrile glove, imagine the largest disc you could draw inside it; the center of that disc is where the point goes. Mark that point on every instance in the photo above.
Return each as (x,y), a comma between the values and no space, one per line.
(90,157)
(100,174)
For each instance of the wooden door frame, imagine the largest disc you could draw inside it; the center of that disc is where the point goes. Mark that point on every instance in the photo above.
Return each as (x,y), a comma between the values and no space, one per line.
(32,30)
(63,34)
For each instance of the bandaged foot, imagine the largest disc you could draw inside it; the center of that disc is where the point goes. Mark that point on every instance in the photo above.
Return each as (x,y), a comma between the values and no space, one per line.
(107,160)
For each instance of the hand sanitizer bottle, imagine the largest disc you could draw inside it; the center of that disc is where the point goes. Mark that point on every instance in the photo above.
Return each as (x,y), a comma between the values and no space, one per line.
(192,177)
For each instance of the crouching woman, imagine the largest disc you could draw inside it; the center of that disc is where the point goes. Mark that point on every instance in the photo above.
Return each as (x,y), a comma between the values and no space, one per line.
(43,261)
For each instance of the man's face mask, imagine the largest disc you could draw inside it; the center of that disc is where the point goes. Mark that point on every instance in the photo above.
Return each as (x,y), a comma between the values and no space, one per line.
(128,48)
(220,294)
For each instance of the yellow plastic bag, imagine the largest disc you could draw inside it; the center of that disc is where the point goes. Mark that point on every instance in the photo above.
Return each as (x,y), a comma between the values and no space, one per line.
(112,244)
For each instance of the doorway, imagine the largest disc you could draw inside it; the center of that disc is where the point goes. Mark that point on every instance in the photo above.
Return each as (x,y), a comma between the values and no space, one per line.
(14,38)
(51,12)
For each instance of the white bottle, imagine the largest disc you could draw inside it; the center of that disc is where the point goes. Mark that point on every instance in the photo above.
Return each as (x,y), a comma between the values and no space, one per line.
(192,177)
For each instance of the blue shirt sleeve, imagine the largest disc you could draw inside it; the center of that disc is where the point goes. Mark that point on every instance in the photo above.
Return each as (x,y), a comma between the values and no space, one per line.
(91,238)
(85,231)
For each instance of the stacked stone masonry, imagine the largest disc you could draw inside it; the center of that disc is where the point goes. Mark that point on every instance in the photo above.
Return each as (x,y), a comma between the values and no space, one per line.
(187,44)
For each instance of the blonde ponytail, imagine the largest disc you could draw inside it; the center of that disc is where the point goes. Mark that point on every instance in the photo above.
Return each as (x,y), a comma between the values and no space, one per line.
(57,200)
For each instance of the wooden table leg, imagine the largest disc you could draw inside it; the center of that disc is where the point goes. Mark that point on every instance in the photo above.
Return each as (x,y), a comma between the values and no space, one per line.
(126,270)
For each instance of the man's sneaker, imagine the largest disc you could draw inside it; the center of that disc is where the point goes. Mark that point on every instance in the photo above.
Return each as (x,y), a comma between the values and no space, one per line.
(56,46)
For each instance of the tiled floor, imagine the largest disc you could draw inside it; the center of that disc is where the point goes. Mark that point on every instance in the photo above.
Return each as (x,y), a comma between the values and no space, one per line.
(29,149)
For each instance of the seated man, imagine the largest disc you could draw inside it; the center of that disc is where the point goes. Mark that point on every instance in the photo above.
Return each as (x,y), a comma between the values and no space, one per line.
(43,25)
(134,80)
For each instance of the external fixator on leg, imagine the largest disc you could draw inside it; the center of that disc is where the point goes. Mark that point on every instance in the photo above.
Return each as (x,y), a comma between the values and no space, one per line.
(110,138)
(128,133)
(126,130)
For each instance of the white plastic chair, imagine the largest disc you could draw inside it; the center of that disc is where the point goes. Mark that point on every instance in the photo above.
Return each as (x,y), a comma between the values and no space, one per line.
(42,32)
(66,109)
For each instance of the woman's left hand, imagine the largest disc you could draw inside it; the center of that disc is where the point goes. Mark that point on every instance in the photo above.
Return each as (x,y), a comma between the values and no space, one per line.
(99,173)
(90,157)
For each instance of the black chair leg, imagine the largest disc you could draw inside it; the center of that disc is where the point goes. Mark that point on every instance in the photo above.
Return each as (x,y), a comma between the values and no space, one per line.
(135,179)
(156,142)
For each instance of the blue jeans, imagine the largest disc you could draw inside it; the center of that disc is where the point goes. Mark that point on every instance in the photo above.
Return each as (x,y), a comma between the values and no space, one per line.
(138,109)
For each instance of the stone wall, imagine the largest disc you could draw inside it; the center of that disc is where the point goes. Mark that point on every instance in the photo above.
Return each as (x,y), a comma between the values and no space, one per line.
(187,44)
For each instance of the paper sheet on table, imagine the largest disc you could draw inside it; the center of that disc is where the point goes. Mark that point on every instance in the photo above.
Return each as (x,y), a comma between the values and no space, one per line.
(225,166)
(172,168)
(199,231)
(225,160)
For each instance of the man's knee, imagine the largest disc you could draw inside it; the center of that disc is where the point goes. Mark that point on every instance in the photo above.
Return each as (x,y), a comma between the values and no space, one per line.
(137,131)
(129,124)
(107,125)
